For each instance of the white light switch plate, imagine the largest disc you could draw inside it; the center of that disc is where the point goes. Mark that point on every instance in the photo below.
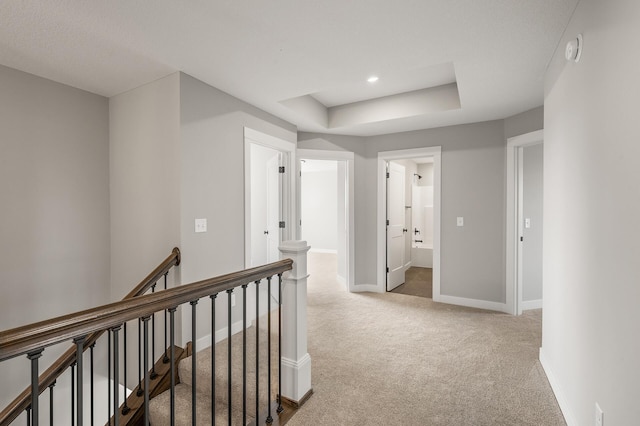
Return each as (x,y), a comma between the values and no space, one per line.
(460,221)
(527,223)
(201,225)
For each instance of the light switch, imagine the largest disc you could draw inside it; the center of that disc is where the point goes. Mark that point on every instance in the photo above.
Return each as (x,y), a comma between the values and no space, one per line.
(201,225)
(460,221)
(527,223)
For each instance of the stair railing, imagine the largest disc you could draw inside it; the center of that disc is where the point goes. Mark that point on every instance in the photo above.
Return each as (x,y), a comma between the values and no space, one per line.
(69,358)
(84,327)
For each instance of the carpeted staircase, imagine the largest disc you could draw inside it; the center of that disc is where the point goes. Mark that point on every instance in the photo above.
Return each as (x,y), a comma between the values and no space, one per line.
(159,410)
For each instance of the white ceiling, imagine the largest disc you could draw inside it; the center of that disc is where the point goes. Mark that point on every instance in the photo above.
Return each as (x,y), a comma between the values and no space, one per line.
(265,52)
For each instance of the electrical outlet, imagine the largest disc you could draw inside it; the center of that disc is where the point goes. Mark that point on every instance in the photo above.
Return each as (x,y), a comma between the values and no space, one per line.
(599,416)
(460,221)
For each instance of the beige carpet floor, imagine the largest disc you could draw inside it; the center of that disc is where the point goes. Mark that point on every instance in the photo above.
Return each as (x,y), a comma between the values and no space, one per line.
(392,359)
(417,282)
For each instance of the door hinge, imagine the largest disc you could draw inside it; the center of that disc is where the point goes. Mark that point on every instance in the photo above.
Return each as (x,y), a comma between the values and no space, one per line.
(281,169)
(387,269)
(521,238)
(387,222)
(387,175)
(281,224)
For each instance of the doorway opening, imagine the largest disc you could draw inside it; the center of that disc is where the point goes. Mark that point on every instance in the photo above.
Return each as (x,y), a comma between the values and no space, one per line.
(325,210)
(269,215)
(524,222)
(410,227)
(408,234)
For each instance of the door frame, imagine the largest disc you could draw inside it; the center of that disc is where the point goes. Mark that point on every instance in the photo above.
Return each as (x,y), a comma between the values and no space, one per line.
(407,154)
(513,216)
(348,158)
(288,149)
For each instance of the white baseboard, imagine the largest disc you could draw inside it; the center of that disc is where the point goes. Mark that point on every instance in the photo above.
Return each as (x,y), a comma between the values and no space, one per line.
(473,303)
(361,288)
(531,304)
(319,250)
(557,390)
(205,341)
(296,377)
(341,280)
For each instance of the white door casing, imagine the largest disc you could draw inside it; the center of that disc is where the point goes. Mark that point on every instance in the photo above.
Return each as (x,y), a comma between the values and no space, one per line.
(381,244)
(348,159)
(514,218)
(395,225)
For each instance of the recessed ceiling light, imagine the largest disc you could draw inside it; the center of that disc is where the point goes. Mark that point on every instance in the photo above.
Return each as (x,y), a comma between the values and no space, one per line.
(372,79)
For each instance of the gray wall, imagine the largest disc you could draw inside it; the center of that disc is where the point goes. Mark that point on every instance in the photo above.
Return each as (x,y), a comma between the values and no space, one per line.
(144,126)
(590,345)
(532,209)
(526,122)
(473,186)
(54,221)
(212,183)
(473,164)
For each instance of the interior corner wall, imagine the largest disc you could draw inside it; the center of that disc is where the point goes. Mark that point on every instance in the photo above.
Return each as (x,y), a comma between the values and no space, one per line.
(212,183)
(144,126)
(590,346)
(54,220)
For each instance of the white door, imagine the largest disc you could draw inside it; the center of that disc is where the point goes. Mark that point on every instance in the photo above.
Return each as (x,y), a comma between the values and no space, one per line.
(265,204)
(395,225)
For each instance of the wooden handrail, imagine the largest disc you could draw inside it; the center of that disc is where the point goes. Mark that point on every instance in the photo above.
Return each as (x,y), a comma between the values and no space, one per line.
(25,339)
(51,374)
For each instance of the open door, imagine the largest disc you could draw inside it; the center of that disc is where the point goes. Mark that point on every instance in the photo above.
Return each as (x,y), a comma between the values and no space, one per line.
(395,225)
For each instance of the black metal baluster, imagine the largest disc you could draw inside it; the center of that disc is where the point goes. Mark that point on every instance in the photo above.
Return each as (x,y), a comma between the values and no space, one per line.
(257,350)
(35,391)
(79,341)
(269,418)
(73,392)
(116,375)
(194,337)
(109,375)
(125,408)
(145,322)
(213,358)
(140,390)
(172,365)
(244,354)
(51,403)
(154,375)
(91,348)
(279,409)
(165,359)
(28,410)
(229,292)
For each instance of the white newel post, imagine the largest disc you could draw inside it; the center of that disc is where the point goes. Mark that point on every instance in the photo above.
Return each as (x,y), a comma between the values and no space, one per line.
(296,363)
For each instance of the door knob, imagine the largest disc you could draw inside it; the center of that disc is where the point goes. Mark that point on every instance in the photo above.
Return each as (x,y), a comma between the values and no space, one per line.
(404,229)
(266,232)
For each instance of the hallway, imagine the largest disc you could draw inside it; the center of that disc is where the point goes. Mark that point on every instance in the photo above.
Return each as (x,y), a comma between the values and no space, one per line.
(389,359)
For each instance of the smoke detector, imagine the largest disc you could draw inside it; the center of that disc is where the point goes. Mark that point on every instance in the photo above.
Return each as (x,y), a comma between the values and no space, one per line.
(573,51)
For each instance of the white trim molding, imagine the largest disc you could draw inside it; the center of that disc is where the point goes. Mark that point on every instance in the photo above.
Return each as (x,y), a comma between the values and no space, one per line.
(513,292)
(559,393)
(407,154)
(349,158)
(474,303)
(527,305)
